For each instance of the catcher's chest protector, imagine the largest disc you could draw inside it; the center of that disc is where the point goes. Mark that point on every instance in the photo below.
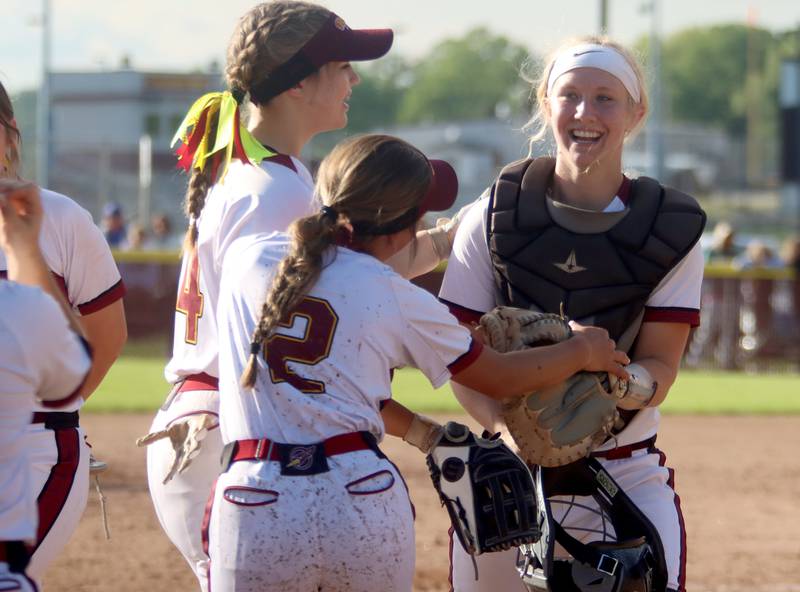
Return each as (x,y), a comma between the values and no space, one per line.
(601,266)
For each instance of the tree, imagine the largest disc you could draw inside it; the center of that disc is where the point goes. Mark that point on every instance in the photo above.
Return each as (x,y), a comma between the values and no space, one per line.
(376,100)
(708,73)
(466,78)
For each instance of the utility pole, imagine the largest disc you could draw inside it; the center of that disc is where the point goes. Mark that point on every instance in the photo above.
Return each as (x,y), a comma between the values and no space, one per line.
(655,127)
(603,24)
(43,104)
(145,177)
(753,153)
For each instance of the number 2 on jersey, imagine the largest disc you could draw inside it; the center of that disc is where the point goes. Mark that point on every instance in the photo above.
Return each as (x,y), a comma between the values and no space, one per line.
(190,300)
(310,349)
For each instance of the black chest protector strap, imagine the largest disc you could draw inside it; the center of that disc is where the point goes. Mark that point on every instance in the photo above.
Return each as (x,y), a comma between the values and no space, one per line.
(601,266)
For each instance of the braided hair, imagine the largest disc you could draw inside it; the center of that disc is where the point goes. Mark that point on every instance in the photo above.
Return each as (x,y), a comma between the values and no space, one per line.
(368,184)
(265,37)
(9,162)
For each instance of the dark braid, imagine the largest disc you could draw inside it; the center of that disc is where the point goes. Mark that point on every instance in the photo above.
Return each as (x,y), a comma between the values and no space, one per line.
(312,237)
(364,182)
(269,34)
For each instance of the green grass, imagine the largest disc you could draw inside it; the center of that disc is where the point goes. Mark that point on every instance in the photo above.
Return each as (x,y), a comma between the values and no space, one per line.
(136,383)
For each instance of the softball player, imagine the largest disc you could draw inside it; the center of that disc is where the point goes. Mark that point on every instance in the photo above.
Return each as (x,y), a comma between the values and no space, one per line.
(306,495)
(292,59)
(81,263)
(600,231)
(41,360)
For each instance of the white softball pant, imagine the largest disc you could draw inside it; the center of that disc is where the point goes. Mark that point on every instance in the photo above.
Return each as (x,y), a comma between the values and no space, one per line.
(180,503)
(350,528)
(60,479)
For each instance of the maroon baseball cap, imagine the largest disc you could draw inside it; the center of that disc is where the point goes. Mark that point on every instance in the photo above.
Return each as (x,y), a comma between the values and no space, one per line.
(334,42)
(443,190)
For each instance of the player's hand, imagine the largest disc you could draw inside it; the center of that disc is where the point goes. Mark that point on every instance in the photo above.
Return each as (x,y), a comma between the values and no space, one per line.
(603,353)
(20,216)
(444,232)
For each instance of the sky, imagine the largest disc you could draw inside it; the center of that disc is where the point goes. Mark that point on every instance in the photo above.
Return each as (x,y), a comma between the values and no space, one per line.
(176,35)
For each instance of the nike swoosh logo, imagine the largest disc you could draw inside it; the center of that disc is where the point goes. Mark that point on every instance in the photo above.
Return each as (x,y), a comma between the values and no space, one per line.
(580,53)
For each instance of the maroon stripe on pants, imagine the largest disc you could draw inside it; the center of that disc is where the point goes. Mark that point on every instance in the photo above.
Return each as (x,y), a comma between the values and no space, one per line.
(56,489)
(205,527)
(662,461)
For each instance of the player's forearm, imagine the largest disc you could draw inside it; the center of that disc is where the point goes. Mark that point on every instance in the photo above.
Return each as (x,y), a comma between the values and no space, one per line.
(483,409)
(106,331)
(502,376)
(396,418)
(417,257)
(664,376)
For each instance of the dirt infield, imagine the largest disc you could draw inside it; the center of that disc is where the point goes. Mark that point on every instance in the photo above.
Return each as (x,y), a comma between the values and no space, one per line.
(738,478)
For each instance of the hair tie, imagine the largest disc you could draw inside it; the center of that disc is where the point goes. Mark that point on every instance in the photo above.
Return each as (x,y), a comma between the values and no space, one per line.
(255,348)
(328,213)
(238,94)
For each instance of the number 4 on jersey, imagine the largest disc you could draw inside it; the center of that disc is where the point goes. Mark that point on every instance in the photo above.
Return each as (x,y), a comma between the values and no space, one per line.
(190,300)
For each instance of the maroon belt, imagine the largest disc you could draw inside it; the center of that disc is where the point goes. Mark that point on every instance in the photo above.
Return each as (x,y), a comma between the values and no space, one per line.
(199,382)
(15,554)
(625,451)
(57,420)
(259,449)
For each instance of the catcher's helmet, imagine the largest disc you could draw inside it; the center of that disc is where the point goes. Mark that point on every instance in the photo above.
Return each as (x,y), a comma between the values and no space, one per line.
(634,563)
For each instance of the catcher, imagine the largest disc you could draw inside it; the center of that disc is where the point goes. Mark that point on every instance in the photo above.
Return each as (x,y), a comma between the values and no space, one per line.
(574,232)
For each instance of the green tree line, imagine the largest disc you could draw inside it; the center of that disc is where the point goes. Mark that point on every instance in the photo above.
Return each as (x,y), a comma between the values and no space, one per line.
(714,76)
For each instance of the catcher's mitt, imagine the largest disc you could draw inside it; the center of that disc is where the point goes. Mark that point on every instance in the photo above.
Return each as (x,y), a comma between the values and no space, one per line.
(563,423)
(487,489)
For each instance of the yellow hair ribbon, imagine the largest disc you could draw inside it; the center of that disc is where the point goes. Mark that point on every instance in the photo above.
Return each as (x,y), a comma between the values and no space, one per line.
(231,136)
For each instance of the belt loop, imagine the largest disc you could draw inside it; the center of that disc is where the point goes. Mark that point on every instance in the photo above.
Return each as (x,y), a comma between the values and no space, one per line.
(259,448)
(269,450)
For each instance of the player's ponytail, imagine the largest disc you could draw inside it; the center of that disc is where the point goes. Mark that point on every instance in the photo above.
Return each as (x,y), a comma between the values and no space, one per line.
(212,134)
(9,162)
(370,185)
(312,239)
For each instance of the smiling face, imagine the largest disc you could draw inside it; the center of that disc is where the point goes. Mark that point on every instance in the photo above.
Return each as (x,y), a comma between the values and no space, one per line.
(328,91)
(590,113)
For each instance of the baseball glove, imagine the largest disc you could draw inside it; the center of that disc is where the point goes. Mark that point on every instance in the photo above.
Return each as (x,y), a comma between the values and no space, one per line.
(185,437)
(487,489)
(563,423)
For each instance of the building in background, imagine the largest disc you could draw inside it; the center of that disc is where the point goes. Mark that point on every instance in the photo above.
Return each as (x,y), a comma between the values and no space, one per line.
(97,121)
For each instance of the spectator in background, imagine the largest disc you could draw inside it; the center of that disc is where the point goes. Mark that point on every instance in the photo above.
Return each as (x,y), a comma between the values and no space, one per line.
(723,245)
(161,235)
(136,238)
(757,255)
(113,225)
(790,253)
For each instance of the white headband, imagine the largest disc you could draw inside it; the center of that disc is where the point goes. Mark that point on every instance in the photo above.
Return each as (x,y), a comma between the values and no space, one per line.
(601,57)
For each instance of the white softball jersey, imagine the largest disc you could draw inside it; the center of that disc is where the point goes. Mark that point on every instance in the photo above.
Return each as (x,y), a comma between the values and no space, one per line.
(469,289)
(77,254)
(330,364)
(250,199)
(40,359)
